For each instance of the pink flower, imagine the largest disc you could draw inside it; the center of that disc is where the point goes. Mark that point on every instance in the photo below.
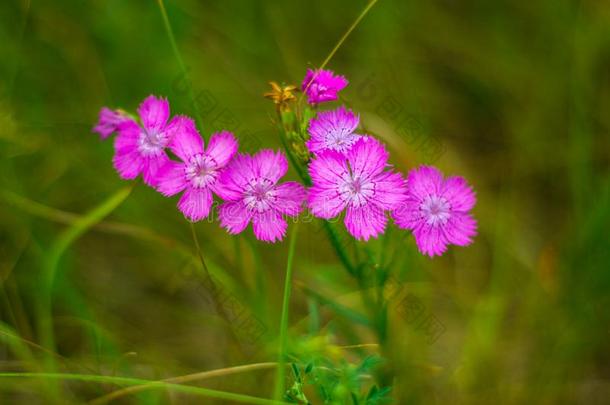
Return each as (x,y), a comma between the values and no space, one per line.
(358,183)
(249,187)
(437,211)
(333,130)
(322,85)
(198,172)
(109,121)
(142,149)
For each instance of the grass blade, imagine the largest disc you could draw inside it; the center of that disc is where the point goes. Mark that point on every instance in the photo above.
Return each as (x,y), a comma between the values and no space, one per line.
(127,381)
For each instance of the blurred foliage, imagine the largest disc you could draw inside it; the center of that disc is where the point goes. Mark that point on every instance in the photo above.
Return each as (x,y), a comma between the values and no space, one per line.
(512,95)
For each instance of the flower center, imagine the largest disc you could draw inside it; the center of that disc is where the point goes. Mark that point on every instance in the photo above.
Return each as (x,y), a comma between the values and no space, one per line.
(436,210)
(151,143)
(340,139)
(201,171)
(259,195)
(356,191)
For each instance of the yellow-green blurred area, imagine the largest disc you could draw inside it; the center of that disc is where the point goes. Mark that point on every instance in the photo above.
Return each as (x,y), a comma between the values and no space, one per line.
(513,95)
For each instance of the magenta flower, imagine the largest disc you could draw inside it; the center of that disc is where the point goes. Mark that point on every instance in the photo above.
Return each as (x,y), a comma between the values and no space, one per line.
(109,121)
(358,183)
(249,187)
(198,172)
(333,130)
(141,150)
(322,85)
(437,211)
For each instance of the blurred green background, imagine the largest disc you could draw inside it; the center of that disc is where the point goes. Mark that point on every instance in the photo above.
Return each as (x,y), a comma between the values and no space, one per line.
(512,95)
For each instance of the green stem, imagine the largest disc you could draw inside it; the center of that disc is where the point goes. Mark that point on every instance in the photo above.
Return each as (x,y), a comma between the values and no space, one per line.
(349,31)
(183,379)
(364,12)
(281,370)
(206,392)
(172,40)
(295,163)
(331,231)
(239,263)
(61,245)
(53,259)
(328,227)
(259,297)
(198,248)
(286,145)
(218,305)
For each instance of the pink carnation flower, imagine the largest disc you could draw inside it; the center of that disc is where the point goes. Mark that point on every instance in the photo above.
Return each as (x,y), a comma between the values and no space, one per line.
(322,85)
(437,211)
(249,187)
(357,183)
(142,149)
(333,130)
(109,121)
(199,170)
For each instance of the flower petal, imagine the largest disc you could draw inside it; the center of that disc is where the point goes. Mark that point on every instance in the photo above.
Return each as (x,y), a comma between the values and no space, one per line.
(367,157)
(234,217)
(269,226)
(328,170)
(222,147)
(127,159)
(128,163)
(333,130)
(127,139)
(185,140)
(424,181)
(151,166)
(195,203)
(322,85)
(154,113)
(270,165)
(460,229)
(108,122)
(408,215)
(235,177)
(430,240)
(365,222)
(390,190)
(289,198)
(458,193)
(325,203)
(171,179)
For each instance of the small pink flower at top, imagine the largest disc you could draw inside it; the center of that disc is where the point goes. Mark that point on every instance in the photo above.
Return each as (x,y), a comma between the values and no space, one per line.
(141,150)
(437,211)
(322,85)
(109,121)
(358,183)
(249,187)
(333,130)
(198,172)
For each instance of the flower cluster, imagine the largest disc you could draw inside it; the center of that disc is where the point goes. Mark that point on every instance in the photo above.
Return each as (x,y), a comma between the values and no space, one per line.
(247,184)
(349,172)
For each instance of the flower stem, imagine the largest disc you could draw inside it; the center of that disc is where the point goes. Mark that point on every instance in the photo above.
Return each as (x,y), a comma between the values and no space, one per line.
(198,248)
(182,380)
(331,231)
(329,227)
(226,397)
(364,12)
(212,285)
(52,267)
(349,31)
(281,370)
